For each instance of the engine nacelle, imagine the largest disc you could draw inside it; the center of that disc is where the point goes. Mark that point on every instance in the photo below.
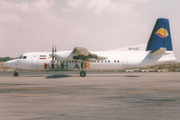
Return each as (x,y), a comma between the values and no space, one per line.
(63,55)
(76,57)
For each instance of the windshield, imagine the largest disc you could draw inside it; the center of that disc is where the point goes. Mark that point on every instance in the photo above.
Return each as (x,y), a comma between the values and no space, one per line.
(21,56)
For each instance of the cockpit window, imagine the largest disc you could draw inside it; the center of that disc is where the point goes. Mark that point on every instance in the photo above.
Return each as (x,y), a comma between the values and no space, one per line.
(21,56)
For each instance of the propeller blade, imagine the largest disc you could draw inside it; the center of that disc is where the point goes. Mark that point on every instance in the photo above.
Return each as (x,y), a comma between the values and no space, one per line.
(52,49)
(52,54)
(55,51)
(52,62)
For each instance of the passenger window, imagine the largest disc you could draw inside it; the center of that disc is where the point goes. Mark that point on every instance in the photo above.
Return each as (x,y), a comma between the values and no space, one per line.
(118,61)
(24,57)
(105,61)
(72,61)
(69,61)
(108,61)
(115,61)
(102,61)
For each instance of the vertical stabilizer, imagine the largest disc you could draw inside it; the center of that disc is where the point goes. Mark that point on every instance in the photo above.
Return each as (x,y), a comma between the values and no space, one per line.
(160,36)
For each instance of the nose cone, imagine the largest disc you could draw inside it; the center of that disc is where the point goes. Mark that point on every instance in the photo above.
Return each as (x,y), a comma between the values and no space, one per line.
(11,63)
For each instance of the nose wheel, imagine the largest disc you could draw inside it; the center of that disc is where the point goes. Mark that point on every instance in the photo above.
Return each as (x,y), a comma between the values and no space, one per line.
(15,72)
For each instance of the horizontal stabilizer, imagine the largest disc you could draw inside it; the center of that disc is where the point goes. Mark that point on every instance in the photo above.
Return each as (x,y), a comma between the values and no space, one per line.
(159,51)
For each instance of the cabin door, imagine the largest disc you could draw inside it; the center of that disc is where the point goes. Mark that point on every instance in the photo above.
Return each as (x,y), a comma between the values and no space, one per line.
(34,62)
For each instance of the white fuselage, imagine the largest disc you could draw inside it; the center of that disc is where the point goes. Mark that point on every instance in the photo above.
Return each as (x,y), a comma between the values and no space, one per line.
(116,60)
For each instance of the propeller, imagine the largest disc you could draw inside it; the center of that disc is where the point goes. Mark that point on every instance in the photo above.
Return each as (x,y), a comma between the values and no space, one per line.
(53,61)
(55,51)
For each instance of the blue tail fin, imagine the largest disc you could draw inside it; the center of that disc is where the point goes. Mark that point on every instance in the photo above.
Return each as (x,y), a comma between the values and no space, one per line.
(160,36)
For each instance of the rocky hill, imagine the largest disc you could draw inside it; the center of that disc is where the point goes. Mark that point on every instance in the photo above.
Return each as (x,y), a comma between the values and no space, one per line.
(3,68)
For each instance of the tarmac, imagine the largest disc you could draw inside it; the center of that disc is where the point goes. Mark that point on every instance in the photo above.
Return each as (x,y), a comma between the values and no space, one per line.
(98,96)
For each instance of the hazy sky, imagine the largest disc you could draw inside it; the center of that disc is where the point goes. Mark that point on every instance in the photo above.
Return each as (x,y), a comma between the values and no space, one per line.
(34,25)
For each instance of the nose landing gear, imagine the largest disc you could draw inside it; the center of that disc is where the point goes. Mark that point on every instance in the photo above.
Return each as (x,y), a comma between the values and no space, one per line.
(15,73)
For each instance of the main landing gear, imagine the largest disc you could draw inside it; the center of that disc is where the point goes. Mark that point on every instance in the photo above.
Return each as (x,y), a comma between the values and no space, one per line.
(82,72)
(15,73)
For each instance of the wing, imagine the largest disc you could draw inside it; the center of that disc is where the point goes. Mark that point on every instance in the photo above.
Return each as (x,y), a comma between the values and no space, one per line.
(83,54)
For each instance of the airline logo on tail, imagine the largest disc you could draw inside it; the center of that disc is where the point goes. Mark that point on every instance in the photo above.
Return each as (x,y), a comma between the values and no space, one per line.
(162,32)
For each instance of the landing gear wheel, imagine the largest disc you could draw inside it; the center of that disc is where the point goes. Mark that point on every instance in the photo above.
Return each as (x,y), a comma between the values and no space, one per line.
(16,74)
(82,73)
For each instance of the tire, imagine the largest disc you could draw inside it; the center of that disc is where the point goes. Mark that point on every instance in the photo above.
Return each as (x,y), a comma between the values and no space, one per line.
(16,74)
(82,73)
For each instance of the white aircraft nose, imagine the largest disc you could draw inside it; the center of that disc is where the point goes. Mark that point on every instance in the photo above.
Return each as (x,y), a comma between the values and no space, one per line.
(11,63)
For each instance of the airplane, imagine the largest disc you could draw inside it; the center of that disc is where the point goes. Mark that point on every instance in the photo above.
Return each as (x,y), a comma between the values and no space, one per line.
(158,50)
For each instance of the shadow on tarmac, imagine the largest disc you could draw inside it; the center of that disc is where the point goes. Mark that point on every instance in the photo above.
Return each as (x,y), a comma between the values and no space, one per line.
(57,76)
(64,76)
(131,76)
